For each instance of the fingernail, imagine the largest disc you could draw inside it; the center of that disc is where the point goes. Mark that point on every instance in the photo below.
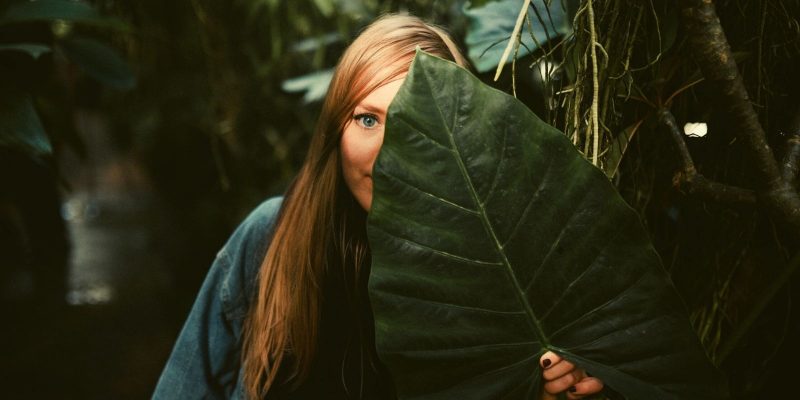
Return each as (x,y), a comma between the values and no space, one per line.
(546,362)
(573,389)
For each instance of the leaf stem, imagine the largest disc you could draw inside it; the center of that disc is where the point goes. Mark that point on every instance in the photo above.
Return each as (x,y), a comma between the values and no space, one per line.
(513,39)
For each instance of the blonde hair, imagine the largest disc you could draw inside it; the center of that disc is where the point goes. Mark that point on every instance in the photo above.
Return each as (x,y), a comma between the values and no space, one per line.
(320,226)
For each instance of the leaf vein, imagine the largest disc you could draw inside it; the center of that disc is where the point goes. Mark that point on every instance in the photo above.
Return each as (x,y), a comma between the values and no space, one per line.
(437,251)
(611,333)
(487,224)
(468,348)
(555,243)
(610,301)
(524,215)
(572,284)
(494,181)
(441,199)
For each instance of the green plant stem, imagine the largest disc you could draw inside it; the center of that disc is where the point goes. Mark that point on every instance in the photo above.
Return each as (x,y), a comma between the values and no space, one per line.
(763,301)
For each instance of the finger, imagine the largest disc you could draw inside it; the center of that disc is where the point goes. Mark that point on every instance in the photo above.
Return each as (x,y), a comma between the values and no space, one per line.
(549,359)
(558,369)
(562,383)
(584,387)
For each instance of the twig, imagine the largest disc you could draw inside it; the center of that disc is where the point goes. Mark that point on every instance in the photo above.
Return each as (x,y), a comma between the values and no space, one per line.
(668,102)
(690,181)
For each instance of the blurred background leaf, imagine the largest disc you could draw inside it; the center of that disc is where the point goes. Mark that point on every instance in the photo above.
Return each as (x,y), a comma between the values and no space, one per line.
(98,61)
(54,10)
(33,49)
(20,127)
(314,85)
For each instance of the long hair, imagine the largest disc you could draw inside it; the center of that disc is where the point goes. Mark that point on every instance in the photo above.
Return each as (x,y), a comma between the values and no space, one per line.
(320,226)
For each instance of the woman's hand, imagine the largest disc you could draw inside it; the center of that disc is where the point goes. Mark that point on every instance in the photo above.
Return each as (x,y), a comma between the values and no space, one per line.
(561,376)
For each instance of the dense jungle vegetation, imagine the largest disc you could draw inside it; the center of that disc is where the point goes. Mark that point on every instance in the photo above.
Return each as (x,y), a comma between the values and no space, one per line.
(217,101)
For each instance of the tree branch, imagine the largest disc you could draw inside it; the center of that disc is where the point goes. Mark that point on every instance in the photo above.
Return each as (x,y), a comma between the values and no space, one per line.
(710,48)
(690,181)
(791,159)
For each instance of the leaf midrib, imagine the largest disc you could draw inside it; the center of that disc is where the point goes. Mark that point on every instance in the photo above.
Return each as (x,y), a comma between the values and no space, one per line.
(484,218)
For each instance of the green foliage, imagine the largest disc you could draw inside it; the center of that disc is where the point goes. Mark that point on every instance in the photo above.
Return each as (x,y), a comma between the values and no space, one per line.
(57,10)
(98,61)
(493,240)
(20,127)
(34,50)
(616,150)
(314,85)
(49,10)
(35,28)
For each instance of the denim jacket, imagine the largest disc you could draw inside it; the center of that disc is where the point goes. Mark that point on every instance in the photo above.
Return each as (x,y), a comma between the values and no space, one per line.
(205,362)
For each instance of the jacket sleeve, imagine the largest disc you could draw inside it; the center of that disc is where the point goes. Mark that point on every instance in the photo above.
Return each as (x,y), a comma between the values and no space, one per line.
(205,361)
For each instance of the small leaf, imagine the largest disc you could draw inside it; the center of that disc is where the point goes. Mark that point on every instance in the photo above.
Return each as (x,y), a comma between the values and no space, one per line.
(619,144)
(491,26)
(494,240)
(315,85)
(20,127)
(99,61)
(314,43)
(35,50)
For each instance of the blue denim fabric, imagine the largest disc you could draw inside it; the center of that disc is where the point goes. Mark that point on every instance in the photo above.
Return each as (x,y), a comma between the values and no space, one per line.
(205,362)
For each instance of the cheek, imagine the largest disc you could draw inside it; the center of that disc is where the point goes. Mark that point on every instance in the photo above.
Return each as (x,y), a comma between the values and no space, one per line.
(359,150)
(349,151)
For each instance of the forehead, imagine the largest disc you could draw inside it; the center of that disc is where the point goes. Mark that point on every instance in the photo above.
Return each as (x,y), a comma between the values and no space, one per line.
(380,98)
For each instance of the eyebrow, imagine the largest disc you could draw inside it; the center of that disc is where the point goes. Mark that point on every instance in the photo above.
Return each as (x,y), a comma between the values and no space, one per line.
(371,108)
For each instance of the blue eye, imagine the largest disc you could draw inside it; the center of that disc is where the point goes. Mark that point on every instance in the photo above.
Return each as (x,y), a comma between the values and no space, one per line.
(367,121)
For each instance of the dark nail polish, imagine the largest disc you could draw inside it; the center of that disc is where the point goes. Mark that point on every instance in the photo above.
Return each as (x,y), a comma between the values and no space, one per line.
(573,389)
(546,362)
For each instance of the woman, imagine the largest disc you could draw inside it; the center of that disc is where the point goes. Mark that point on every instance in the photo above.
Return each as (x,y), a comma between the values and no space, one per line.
(284,312)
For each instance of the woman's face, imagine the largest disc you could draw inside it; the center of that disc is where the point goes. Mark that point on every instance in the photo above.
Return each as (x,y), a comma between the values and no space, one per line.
(362,139)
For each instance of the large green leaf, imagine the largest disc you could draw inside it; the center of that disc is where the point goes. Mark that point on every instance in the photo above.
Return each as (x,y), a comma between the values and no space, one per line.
(493,240)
